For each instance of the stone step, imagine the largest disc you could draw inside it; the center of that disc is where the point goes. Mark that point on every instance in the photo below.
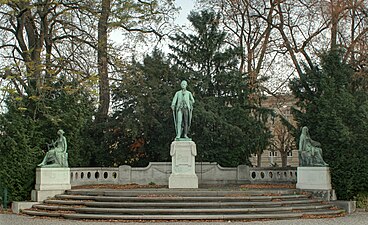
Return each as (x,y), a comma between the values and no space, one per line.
(280,215)
(163,198)
(64,202)
(179,192)
(54,207)
(165,204)
(142,207)
(75,197)
(142,203)
(198,204)
(194,211)
(31,212)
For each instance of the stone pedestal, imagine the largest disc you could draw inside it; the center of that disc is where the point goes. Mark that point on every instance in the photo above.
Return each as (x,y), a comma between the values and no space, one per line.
(50,182)
(183,165)
(315,178)
(317,181)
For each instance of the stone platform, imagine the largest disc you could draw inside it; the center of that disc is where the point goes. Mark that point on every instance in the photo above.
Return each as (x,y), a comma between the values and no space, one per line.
(183,165)
(49,182)
(316,180)
(218,203)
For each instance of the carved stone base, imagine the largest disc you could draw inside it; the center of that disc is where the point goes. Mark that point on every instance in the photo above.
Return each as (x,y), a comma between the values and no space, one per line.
(49,182)
(183,181)
(39,196)
(316,181)
(183,165)
(314,178)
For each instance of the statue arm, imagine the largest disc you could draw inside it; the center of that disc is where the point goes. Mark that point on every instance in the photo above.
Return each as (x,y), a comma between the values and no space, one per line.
(173,103)
(51,145)
(62,145)
(191,101)
(65,145)
(315,143)
(301,144)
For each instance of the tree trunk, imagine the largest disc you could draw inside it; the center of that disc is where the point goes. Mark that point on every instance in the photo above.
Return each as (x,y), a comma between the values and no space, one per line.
(104,87)
(283,158)
(334,27)
(337,8)
(259,159)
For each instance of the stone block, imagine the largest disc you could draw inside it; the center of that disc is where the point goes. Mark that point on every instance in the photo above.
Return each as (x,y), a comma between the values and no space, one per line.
(39,196)
(348,206)
(125,174)
(183,165)
(243,173)
(18,206)
(313,178)
(183,181)
(50,182)
(52,179)
(325,195)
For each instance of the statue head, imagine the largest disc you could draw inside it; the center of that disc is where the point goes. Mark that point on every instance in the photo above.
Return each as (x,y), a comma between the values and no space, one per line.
(304,129)
(305,132)
(60,132)
(184,84)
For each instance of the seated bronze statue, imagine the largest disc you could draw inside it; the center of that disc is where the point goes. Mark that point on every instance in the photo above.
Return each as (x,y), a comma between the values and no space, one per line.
(57,156)
(310,151)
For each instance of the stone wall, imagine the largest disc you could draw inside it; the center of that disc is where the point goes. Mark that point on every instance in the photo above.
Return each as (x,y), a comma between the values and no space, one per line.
(159,172)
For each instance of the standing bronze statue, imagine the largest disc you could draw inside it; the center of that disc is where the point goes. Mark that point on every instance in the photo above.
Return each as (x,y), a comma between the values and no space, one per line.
(310,151)
(182,107)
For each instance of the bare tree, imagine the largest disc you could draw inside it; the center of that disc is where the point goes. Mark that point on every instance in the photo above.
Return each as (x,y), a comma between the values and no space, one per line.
(36,40)
(249,24)
(283,141)
(44,40)
(310,27)
(104,87)
(138,21)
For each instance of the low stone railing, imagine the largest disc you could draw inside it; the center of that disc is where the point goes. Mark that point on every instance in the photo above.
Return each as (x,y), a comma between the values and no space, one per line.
(159,173)
(273,174)
(94,175)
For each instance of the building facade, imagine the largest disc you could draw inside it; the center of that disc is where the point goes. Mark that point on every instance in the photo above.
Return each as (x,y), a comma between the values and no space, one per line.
(283,143)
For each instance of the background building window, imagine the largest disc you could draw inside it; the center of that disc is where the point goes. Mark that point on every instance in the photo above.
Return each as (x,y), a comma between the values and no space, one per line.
(274,153)
(290,154)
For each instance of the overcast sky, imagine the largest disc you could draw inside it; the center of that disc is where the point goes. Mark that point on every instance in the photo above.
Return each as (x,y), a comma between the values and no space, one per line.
(186,6)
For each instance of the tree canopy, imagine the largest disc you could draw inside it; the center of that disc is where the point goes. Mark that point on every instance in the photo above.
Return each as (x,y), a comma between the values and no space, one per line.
(59,68)
(221,119)
(336,114)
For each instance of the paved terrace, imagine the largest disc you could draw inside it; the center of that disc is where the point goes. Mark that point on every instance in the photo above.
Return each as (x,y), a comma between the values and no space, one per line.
(358,218)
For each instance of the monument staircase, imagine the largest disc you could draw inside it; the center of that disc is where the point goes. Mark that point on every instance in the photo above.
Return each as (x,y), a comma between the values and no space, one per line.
(184,204)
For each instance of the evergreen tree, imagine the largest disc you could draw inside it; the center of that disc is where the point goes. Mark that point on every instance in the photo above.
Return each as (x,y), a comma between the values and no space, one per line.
(222,126)
(24,134)
(142,127)
(336,115)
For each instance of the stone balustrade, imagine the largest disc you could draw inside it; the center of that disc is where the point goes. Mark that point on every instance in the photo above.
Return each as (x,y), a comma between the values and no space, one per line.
(159,172)
(94,175)
(273,174)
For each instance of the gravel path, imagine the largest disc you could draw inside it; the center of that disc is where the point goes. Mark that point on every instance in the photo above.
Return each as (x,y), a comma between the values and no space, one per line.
(358,218)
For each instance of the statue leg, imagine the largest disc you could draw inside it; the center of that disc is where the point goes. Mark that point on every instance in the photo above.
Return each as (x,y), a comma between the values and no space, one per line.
(320,158)
(42,163)
(305,160)
(66,160)
(45,159)
(185,122)
(179,123)
(59,158)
